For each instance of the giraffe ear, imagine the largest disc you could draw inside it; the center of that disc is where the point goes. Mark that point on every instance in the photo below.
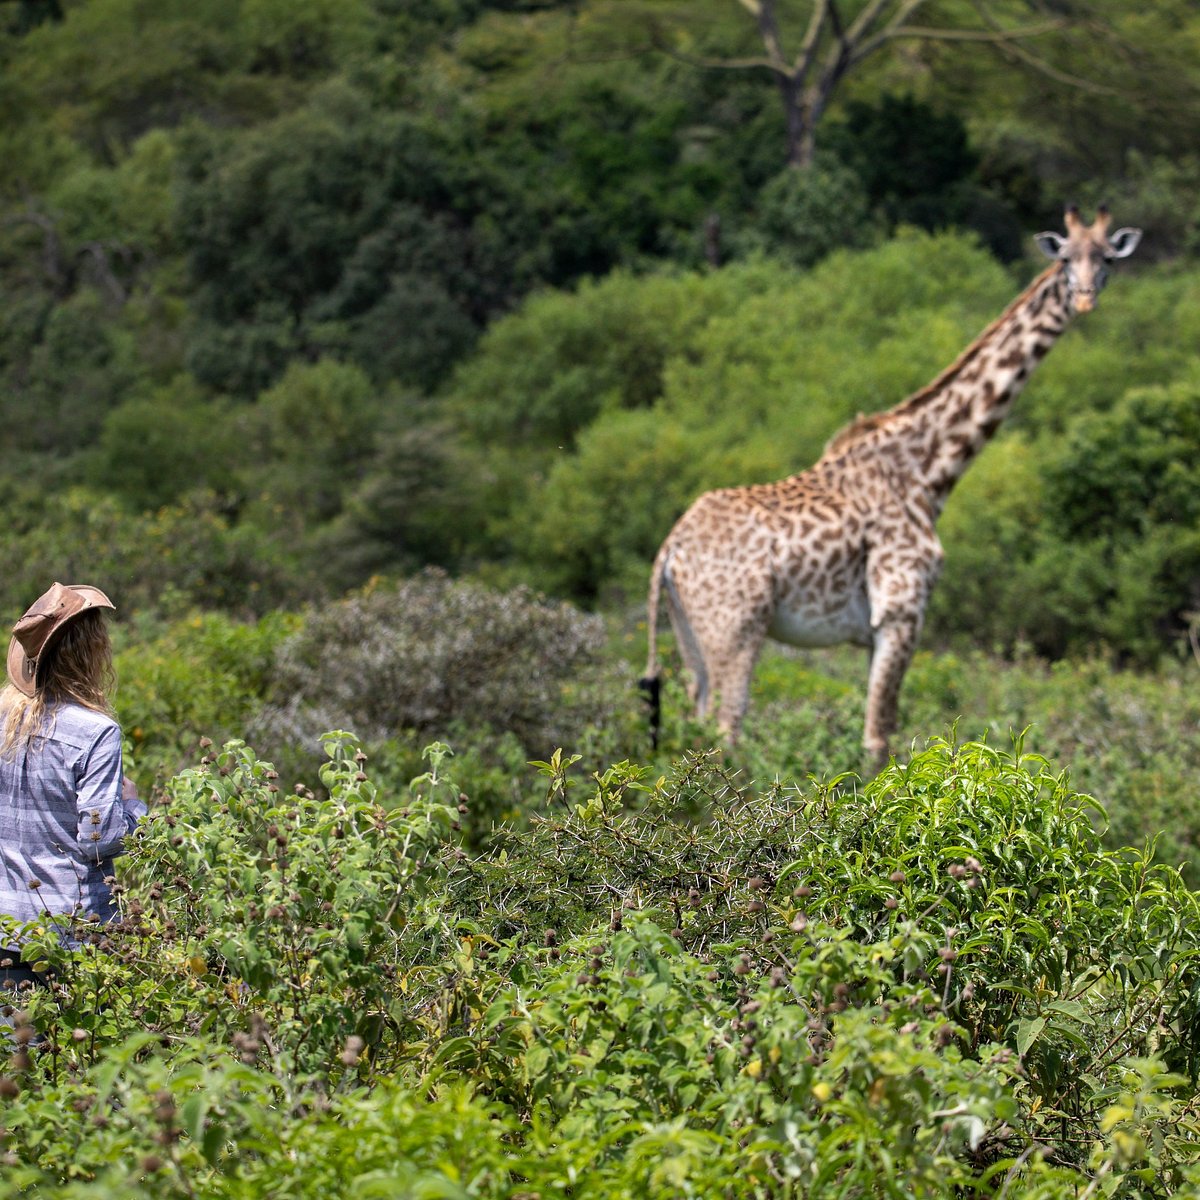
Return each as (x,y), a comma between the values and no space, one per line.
(1124,242)
(1050,244)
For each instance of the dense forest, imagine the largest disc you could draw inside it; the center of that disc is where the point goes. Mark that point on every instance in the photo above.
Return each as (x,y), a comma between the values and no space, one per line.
(300,293)
(365,351)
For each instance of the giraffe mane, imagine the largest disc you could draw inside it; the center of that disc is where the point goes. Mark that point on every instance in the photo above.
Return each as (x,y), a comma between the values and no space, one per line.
(862,425)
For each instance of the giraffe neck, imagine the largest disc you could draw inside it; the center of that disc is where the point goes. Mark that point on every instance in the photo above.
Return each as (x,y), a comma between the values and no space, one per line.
(934,435)
(948,422)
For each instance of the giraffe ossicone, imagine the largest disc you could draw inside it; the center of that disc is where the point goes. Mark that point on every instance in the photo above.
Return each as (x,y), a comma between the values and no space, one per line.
(847,551)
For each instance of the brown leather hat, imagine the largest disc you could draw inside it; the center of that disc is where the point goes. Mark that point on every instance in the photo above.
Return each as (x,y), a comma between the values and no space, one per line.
(43,624)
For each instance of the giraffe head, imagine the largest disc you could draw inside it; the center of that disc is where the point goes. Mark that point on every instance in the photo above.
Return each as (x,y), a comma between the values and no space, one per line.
(1084,253)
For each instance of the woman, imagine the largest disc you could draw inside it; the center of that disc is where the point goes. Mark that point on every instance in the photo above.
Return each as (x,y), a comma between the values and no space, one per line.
(65,805)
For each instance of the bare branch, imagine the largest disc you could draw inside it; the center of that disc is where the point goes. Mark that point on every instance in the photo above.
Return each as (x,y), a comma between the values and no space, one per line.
(713,64)
(1040,64)
(871,14)
(812,38)
(768,30)
(929,33)
(98,252)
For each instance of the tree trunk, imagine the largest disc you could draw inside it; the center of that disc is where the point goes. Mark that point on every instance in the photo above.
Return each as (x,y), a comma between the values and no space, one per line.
(801,136)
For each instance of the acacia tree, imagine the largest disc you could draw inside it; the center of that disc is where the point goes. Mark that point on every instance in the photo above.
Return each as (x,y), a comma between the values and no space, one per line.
(811,46)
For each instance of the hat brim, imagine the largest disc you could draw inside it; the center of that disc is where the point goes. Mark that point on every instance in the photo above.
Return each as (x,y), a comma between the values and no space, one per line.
(22,670)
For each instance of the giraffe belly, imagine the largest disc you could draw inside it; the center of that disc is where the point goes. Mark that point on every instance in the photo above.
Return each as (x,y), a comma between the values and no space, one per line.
(814,622)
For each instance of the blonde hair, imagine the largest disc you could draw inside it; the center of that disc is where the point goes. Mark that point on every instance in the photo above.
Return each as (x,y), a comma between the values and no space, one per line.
(77,668)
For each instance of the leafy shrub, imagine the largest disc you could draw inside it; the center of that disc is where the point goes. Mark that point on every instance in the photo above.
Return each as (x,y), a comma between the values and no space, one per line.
(1130,738)
(203,676)
(167,561)
(153,450)
(863,957)
(802,216)
(428,654)
(940,977)
(314,432)
(1123,494)
(541,374)
(272,910)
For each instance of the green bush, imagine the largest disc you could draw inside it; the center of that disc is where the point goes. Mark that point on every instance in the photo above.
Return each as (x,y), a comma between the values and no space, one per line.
(940,978)
(172,560)
(203,676)
(802,216)
(426,652)
(153,450)
(1130,738)
(509,673)
(863,958)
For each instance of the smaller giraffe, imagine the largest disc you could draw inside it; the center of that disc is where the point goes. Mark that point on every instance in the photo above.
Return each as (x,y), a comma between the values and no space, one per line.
(847,550)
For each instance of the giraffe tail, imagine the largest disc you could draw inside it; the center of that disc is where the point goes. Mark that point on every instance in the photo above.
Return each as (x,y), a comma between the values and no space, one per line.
(650,684)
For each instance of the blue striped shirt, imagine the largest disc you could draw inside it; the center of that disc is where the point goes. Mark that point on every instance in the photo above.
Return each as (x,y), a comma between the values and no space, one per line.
(62,818)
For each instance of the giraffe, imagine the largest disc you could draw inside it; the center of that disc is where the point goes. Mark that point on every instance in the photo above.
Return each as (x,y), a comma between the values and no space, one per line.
(847,551)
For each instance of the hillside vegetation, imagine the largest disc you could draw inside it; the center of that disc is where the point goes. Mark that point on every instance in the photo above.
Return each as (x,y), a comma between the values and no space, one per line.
(365,352)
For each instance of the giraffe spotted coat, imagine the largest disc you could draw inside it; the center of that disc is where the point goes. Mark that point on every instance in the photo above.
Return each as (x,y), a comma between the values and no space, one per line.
(847,551)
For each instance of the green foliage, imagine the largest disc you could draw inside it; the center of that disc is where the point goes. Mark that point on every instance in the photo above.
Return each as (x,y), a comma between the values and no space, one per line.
(939,978)
(154,449)
(203,676)
(544,373)
(315,430)
(804,215)
(429,657)
(912,160)
(173,559)
(1133,525)
(1129,737)
(863,958)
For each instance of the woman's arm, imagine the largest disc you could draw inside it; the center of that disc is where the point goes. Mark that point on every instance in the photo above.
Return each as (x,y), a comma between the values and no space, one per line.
(105,814)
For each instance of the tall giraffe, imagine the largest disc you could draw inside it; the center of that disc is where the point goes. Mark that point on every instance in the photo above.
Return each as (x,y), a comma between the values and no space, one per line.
(847,550)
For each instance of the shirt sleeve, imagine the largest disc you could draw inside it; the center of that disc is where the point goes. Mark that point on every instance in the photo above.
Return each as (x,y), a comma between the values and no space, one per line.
(104,818)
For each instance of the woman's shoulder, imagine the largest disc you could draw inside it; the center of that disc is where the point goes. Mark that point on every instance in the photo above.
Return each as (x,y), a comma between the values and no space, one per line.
(77,720)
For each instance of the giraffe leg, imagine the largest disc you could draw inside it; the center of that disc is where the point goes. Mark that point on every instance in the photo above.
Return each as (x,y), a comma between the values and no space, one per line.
(898,587)
(732,665)
(895,641)
(689,649)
